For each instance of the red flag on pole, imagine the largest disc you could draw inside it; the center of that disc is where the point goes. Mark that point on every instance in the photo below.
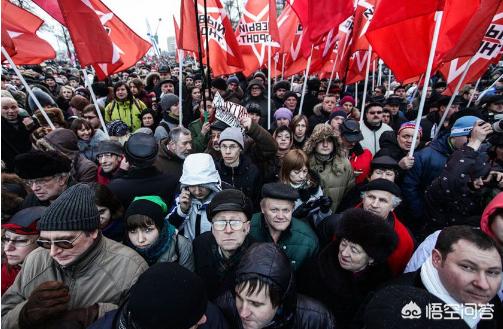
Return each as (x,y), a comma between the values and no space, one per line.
(126,46)
(490,51)
(363,16)
(256,29)
(358,66)
(19,36)
(188,26)
(401,32)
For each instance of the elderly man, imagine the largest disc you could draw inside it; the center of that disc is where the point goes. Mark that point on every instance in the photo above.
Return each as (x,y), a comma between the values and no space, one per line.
(276,224)
(109,156)
(218,252)
(77,275)
(46,173)
(173,150)
(464,273)
(380,196)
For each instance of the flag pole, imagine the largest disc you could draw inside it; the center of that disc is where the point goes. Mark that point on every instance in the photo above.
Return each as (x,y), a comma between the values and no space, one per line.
(379,76)
(305,80)
(356,94)
(207,48)
(200,53)
(455,92)
(485,91)
(438,22)
(95,101)
(416,90)
(291,82)
(28,89)
(476,86)
(283,68)
(369,54)
(388,90)
(373,74)
(331,76)
(180,86)
(269,85)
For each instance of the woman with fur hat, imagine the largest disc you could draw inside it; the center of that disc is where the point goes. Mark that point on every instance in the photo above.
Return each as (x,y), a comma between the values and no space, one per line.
(352,265)
(151,235)
(325,158)
(199,183)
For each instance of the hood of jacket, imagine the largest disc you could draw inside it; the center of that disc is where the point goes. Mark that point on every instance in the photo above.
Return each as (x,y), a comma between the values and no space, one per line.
(320,132)
(199,169)
(268,263)
(318,110)
(441,143)
(496,203)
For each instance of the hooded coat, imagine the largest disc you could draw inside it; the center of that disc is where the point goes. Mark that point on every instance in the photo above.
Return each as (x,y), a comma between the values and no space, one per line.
(336,173)
(496,203)
(198,169)
(295,312)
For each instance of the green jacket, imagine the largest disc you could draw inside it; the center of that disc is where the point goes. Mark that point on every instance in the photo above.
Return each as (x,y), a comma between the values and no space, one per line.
(126,112)
(199,141)
(299,241)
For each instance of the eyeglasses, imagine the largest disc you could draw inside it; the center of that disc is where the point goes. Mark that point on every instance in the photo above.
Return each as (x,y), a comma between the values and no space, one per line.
(220,225)
(63,244)
(16,242)
(39,181)
(374,113)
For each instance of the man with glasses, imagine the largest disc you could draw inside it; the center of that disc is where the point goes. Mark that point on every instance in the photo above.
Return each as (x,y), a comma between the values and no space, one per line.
(89,114)
(18,240)
(109,156)
(372,127)
(45,173)
(77,275)
(217,253)
(276,224)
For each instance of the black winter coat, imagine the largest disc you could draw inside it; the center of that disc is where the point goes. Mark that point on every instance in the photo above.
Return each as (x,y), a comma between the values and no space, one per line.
(217,273)
(144,181)
(15,140)
(450,200)
(340,290)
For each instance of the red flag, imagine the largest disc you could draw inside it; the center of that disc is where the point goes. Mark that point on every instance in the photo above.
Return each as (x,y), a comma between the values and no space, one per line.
(363,16)
(489,52)
(19,36)
(288,27)
(321,16)
(256,29)
(188,27)
(127,46)
(401,32)
(358,66)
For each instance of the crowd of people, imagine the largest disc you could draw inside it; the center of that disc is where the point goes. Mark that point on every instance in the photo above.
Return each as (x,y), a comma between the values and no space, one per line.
(316,217)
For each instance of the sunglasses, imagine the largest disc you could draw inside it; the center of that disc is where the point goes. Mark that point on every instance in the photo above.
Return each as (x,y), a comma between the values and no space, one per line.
(374,113)
(63,244)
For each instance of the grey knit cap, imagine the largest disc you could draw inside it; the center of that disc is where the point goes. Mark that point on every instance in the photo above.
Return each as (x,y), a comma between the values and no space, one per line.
(73,210)
(232,134)
(167,101)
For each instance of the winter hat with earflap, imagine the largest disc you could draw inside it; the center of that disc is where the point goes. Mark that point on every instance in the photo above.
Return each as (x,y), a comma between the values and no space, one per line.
(368,230)
(463,126)
(73,210)
(199,169)
(232,134)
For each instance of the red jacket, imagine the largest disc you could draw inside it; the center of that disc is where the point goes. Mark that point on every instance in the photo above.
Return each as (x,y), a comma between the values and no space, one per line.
(495,203)
(361,163)
(404,249)
(9,274)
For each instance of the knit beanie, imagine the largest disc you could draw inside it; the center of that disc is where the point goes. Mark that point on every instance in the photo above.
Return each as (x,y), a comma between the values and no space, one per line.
(283,84)
(409,124)
(337,113)
(167,101)
(283,113)
(151,206)
(232,79)
(167,295)
(44,99)
(232,134)
(347,99)
(73,210)
(463,126)
(290,94)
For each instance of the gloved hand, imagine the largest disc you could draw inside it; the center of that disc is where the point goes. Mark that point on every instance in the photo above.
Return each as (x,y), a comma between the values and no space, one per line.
(325,203)
(45,302)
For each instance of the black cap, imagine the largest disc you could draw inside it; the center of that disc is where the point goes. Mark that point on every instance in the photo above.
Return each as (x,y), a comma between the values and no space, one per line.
(219,125)
(394,101)
(384,162)
(167,81)
(350,129)
(382,184)
(493,99)
(279,191)
(110,146)
(229,200)
(141,148)
(164,69)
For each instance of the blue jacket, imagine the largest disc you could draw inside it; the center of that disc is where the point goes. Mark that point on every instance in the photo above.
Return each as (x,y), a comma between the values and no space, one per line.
(428,164)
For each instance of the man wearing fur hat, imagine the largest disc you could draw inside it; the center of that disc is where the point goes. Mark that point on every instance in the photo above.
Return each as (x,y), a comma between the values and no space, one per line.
(77,275)
(325,157)
(279,89)
(46,173)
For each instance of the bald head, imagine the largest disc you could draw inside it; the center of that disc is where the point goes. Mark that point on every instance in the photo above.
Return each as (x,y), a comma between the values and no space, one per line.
(10,110)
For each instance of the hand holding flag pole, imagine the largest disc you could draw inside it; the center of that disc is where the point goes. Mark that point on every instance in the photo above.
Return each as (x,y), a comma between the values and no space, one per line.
(473,94)
(28,89)
(362,112)
(438,22)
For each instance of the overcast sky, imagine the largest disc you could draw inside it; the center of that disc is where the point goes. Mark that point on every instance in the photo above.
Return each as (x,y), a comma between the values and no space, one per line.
(135,12)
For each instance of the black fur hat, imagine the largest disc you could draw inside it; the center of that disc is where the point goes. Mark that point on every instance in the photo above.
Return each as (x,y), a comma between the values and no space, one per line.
(371,232)
(38,164)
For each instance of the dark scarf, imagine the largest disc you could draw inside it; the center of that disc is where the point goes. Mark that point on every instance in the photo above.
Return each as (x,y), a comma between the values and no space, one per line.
(226,265)
(155,251)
